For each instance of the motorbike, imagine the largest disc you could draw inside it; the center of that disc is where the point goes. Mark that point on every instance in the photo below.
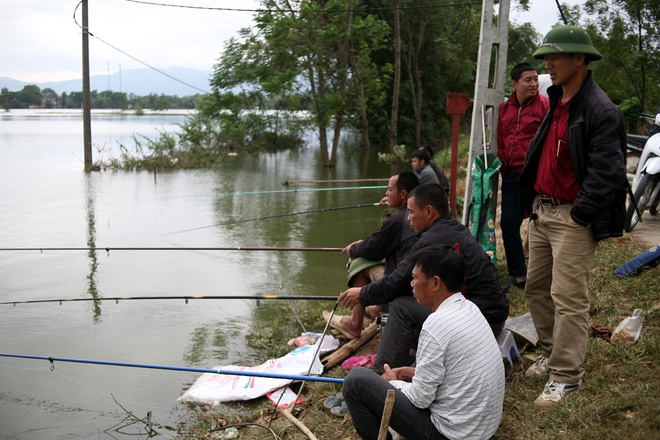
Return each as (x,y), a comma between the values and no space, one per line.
(646,181)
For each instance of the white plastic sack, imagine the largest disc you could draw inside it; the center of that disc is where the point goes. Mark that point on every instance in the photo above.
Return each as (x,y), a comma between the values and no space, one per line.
(212,389)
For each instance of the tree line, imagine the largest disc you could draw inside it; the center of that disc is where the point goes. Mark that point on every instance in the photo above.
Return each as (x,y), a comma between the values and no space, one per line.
(31,96)
(384,67)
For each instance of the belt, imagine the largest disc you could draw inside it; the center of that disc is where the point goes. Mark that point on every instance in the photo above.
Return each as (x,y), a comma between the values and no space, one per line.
(551,201)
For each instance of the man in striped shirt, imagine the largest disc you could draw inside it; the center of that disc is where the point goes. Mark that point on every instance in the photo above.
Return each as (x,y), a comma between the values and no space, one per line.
(456,390)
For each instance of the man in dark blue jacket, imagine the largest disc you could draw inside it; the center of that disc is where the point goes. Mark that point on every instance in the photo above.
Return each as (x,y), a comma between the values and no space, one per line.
(430,219)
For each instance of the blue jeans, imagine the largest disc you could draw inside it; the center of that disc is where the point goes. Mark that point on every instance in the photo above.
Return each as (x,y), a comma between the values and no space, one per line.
(365,391)
(511,220)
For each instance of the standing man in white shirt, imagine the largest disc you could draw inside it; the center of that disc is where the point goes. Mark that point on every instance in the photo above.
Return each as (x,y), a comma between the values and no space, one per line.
(456,391)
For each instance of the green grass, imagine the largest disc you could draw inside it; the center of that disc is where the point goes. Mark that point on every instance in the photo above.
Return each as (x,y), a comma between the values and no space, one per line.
(620,397)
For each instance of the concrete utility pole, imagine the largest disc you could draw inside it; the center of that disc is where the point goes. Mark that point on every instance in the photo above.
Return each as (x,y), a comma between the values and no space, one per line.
(493,45)
(86,101)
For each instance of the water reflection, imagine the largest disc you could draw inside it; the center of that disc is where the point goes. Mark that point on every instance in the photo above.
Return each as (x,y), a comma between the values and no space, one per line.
(93,292)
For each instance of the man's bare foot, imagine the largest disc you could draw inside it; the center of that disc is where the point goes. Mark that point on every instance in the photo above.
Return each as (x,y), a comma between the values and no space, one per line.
(347,325)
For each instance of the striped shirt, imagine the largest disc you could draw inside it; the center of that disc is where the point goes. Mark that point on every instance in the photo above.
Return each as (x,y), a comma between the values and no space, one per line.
(460,373)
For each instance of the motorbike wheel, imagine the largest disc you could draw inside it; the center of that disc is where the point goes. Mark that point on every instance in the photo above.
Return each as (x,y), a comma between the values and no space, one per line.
(655,197)
(642,194)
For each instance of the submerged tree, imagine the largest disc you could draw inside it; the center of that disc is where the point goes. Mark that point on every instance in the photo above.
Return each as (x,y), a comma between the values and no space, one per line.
(311,54)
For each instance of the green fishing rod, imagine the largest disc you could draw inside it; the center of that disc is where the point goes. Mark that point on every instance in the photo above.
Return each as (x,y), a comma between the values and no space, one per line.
(274,216)
(185,298)
(297,190)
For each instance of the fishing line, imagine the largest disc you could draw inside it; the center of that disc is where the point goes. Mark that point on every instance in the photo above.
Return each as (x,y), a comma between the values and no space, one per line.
(185,298)
(52,360)
(273,216)
(318,345)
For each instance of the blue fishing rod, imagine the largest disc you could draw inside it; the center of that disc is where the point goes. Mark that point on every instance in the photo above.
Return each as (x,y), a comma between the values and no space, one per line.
(171,368)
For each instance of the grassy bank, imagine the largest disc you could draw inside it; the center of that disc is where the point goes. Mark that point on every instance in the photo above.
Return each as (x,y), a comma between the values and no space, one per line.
(619,399)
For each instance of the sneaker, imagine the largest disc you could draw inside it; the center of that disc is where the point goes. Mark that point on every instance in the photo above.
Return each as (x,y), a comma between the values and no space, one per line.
(554,392)
(539,368)
(518,282)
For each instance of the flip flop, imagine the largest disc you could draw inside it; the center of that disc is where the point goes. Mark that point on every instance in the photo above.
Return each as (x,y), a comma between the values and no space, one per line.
(333,401)
(336,324)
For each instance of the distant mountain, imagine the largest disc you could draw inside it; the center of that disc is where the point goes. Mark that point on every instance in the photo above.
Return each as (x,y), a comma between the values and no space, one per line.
(137,81)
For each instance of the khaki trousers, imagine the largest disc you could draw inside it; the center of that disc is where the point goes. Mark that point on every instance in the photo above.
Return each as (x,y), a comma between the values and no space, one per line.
(561,255)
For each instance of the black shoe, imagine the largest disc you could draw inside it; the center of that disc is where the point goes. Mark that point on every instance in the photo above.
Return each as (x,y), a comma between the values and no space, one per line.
(514,282)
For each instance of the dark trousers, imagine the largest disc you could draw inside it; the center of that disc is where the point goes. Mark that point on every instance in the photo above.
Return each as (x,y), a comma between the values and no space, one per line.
(401,333)
(404,322)
(365,391)
(511,220)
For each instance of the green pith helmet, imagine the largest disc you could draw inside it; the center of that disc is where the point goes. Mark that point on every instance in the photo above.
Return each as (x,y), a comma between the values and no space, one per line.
(357,266)
(567,39)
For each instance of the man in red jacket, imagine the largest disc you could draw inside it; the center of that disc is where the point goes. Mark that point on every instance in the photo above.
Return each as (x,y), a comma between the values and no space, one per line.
(519,118)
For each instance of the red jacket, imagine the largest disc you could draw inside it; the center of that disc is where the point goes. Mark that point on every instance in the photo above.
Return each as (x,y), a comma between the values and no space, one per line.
(516,126)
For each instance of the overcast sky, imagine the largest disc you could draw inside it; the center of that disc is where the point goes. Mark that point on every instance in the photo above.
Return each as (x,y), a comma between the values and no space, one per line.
(40,41)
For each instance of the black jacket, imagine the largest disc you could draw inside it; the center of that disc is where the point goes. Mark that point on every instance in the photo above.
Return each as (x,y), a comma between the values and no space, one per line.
(391,242)
(482,286)
(597,144)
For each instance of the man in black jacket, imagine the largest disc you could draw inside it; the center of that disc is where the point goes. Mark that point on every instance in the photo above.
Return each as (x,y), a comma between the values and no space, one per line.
(430,219)
(390,243)
(573,186)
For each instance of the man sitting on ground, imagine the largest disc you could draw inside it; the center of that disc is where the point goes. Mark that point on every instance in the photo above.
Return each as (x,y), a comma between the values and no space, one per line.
(391,242)
(429,217)
(420,163)
(457,388)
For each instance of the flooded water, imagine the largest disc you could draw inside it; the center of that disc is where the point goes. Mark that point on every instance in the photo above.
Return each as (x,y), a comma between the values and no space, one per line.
(47,201)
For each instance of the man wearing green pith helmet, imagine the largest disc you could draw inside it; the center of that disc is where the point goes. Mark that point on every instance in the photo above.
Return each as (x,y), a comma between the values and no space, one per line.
(390,243)
(573,185)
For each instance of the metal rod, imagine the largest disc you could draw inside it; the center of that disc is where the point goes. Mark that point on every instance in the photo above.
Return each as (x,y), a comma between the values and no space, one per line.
(185,298)
(189,369)
(235,248)
(289,182)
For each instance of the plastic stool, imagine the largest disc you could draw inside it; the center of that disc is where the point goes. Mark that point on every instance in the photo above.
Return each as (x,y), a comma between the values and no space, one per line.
(508,348)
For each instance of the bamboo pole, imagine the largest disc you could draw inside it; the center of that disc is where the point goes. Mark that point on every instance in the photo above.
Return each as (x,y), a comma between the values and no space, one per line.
(299,424)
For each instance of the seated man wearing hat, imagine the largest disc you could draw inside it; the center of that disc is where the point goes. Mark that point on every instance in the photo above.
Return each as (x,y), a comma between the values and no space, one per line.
(391,243)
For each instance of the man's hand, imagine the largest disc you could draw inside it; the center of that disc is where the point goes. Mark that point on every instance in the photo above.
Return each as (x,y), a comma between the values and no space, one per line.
(347,249)
(401,373)
(350,298)
(389,374)
(383,202)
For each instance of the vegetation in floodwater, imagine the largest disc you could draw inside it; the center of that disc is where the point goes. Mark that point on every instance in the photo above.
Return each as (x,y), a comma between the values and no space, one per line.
(203,142)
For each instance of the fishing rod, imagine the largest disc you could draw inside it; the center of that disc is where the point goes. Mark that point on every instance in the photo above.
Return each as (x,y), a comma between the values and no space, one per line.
(291,182)
(300,190)
(185,298)
(234,248)
(189,369)
(274,216)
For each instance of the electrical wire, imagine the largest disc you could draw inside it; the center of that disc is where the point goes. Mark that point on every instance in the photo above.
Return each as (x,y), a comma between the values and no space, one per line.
(298,10)
(133,57)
